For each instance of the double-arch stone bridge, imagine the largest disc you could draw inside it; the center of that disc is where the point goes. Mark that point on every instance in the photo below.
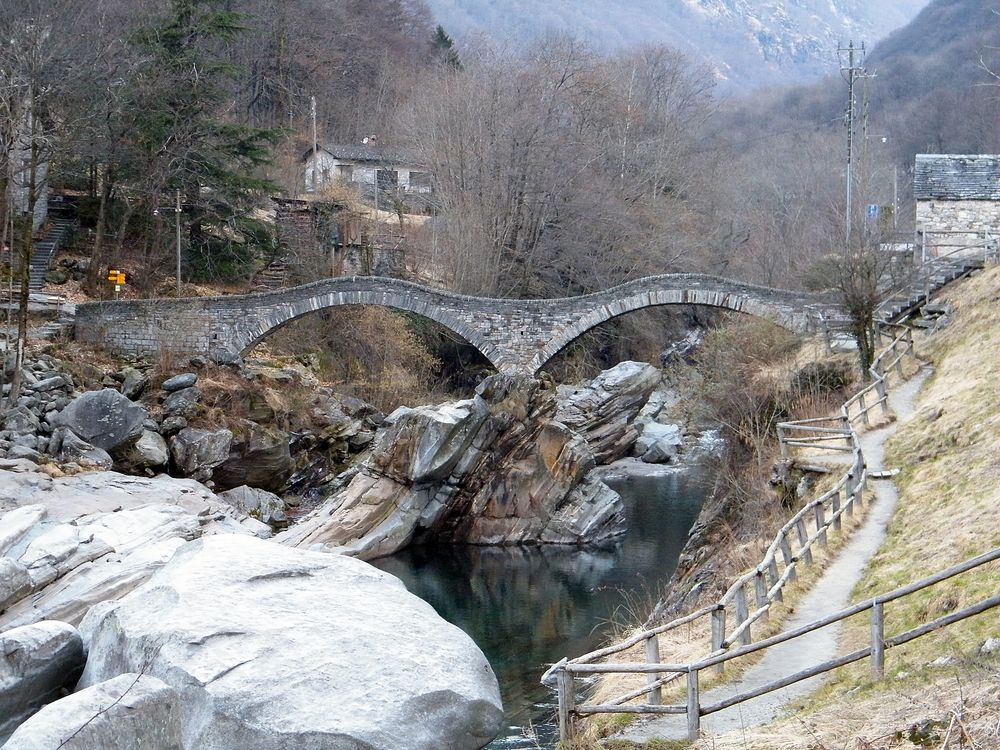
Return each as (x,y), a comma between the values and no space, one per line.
(515,335)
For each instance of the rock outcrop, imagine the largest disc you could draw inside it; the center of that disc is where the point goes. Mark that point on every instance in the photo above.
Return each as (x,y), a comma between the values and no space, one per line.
(37,663)
(258,457)
(602,410)
(383,669)
(494,469)
(127,712)
(71,542)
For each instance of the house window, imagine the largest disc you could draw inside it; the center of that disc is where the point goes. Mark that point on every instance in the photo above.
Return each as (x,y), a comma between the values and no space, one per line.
(420,181)
(387,179)
(345,172)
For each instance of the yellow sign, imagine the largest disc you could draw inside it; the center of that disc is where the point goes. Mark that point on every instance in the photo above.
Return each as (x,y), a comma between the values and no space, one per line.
(116,277)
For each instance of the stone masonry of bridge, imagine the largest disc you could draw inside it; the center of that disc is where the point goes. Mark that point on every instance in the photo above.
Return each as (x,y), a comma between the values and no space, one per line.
(513,334)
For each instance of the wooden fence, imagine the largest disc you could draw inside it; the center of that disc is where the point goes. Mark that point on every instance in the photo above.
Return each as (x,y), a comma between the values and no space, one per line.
(732,617)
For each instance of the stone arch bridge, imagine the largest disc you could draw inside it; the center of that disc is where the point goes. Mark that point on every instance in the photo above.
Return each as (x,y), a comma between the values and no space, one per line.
(515,335)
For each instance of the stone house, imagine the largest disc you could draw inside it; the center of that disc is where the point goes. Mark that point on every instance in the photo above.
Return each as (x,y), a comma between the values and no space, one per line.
(365,165)
(958,203)
(319,239)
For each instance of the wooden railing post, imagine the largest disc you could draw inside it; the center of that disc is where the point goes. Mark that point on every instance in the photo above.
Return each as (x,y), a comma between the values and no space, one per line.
(718,634)
(882,397)
(781,442)
(878,641)
(742,614)
(653,657)
(760,590)
(786,553)
(772,570)
(800,529)
(567,703)
(693,706)
(835,506)
(864,410)
(820,523)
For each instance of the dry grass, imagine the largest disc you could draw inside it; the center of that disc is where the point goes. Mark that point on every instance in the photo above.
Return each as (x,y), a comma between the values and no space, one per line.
(949,487)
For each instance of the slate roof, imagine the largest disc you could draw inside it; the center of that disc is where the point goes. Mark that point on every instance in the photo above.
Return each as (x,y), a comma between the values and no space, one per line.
(956,177)
(365,152)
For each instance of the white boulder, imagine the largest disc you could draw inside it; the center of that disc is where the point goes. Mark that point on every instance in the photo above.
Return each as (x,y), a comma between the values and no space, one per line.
(272,647)
(37,662)
(130,711)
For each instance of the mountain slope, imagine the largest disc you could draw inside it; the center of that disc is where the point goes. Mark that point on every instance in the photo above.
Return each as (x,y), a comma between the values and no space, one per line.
(747,43)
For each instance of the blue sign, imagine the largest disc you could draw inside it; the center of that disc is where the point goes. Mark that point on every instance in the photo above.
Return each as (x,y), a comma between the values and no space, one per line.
(873,209)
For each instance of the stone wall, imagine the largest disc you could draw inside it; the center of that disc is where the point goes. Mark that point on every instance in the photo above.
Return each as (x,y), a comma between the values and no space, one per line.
(515,335)
(950,226)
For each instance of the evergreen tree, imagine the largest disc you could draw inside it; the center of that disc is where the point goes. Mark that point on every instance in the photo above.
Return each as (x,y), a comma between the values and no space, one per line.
(190,145)
(444,48)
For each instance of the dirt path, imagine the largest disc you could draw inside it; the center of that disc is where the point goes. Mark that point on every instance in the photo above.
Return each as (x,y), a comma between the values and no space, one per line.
(831,593)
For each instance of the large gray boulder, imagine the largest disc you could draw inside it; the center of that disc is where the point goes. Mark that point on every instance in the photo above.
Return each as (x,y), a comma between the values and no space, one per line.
(73,449)
(658,443)
(106,419)
(258,457)
(260,504)
(197,452)
(178,382)
(128,712)
(603,410)
(75,541)
(296,649)
(37,663)
(134,382)
(148,452)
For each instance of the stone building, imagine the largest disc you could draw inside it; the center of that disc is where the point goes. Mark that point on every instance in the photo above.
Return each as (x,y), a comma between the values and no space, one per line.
(319,239)
(958,203)
(366,165)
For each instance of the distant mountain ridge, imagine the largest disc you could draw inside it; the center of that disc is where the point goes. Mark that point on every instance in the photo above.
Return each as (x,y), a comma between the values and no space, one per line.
(748,43)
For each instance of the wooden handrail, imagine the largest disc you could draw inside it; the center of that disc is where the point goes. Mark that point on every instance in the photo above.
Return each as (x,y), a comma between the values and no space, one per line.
(848,488)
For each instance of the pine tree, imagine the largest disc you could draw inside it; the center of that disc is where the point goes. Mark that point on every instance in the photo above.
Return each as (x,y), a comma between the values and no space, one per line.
(444,48)
(191,147)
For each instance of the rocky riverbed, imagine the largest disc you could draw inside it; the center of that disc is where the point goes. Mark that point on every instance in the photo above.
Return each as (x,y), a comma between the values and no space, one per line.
(194,614)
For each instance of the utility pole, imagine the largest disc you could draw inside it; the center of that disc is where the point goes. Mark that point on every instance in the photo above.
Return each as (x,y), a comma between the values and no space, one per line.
(852,70)
(312,110)
(177,222)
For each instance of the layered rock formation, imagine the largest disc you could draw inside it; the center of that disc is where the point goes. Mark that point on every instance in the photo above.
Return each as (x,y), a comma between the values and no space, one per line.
(70,542)
(500,468)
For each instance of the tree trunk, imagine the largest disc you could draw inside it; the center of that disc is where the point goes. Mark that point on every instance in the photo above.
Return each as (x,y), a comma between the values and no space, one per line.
(94,273)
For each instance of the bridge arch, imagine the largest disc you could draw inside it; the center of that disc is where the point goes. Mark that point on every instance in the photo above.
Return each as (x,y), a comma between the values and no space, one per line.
(614,303)
(274,316)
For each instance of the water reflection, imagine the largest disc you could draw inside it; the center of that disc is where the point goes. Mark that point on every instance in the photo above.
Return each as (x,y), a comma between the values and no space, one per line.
(527,607)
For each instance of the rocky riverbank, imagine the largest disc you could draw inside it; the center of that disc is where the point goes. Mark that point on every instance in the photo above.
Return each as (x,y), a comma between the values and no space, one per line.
(93,536)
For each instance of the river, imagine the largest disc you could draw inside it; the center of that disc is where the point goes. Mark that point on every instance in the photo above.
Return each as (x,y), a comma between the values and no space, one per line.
(527,607)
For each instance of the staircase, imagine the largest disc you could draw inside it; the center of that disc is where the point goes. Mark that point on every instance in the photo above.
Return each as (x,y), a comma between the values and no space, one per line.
(44,250)
(273,276)
(927,280)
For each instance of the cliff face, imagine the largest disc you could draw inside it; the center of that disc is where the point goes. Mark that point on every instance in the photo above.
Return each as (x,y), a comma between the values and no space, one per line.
(747,43)
(498,468)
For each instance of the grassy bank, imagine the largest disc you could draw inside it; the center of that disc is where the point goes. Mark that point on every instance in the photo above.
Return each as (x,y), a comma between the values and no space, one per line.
(939,690)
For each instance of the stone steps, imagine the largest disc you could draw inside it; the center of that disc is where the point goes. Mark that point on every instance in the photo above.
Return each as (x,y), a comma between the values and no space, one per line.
(935,275)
